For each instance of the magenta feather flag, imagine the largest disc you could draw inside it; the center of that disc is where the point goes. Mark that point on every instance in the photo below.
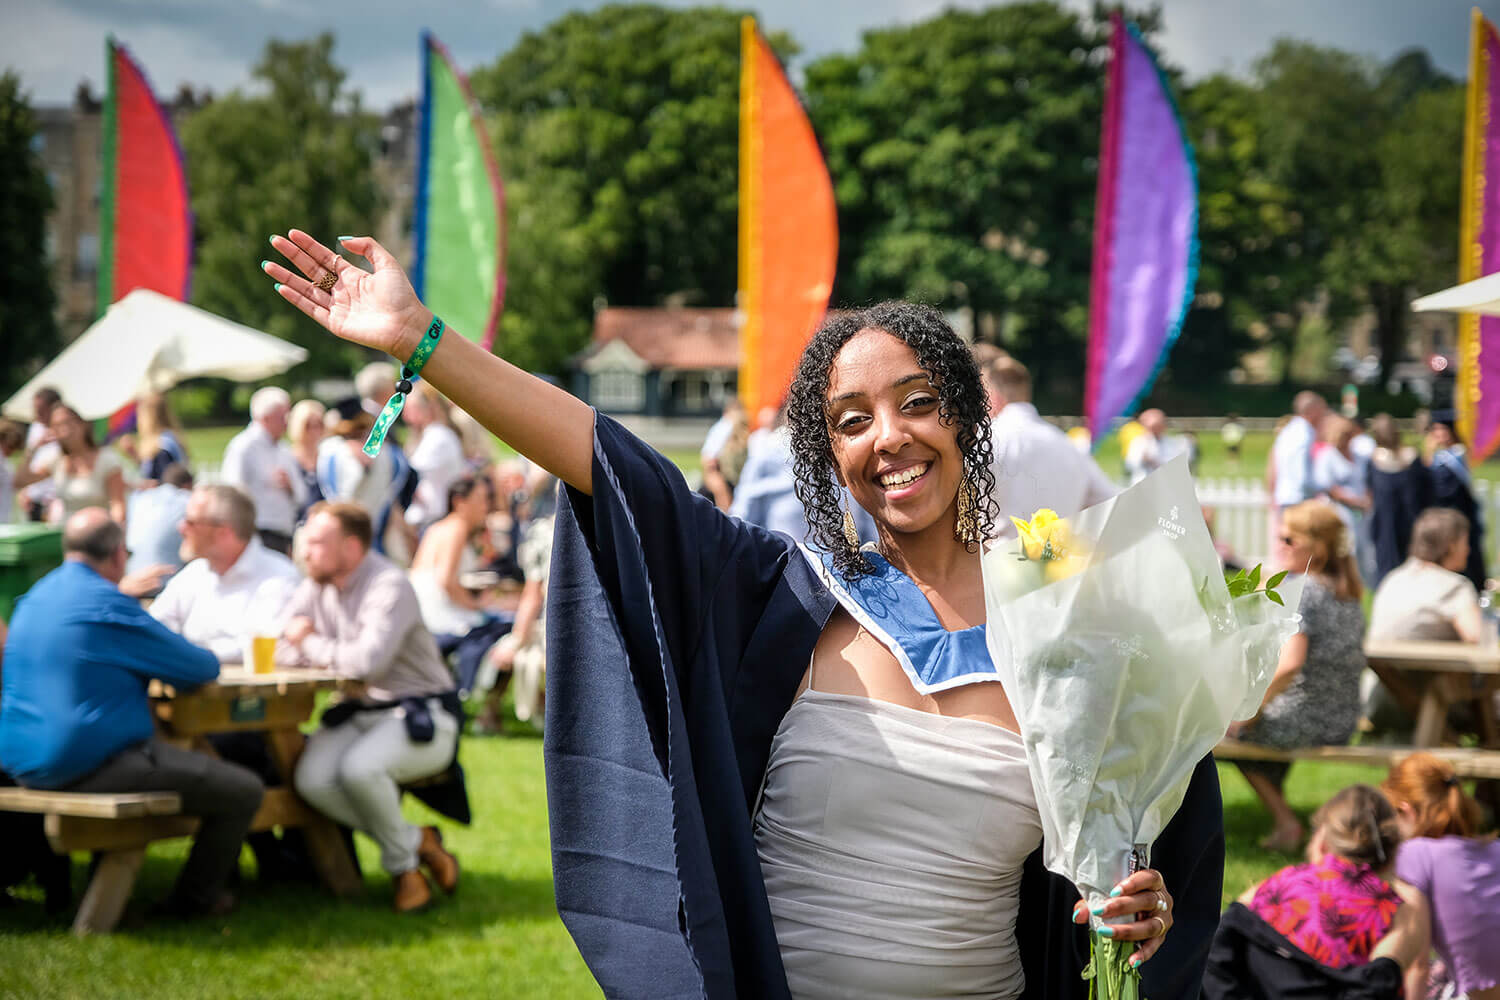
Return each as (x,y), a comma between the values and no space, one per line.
(1145,234)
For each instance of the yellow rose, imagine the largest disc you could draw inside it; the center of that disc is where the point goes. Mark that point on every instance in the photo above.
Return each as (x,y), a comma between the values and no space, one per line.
(1045,536)
(1031,546)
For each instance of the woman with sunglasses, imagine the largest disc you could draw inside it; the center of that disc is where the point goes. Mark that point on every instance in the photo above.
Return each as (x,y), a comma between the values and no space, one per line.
(1313,699)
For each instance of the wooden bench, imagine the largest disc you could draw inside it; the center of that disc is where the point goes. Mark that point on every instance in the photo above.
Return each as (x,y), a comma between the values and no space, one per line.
(119,827)
(1467,762)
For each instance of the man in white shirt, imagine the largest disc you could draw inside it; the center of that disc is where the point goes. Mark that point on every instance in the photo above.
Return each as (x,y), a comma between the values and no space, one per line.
(233,587)
(267,473)
(153,531)
(1149,450)
(1291,453)
(437,458)
(1036,465)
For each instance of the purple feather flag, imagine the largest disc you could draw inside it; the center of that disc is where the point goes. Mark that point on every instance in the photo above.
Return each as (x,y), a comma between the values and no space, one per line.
(1145,234)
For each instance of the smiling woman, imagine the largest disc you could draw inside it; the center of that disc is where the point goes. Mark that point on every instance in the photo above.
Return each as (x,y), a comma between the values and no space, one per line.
(806,780)
(916,377)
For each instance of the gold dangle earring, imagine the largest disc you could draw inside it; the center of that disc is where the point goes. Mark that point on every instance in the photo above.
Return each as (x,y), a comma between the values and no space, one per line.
(966,518)
(851,533)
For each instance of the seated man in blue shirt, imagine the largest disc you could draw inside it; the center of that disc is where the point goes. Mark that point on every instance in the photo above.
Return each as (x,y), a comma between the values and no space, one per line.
(74,715)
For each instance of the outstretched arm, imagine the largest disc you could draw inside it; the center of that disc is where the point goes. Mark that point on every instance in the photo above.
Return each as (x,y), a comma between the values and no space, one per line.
(380,310)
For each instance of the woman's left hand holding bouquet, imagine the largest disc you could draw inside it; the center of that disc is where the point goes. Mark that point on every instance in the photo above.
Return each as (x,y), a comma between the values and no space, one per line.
(1145,895)
(380,309)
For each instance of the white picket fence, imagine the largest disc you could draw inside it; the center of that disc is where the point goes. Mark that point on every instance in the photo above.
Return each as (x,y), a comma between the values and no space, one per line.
(1241,516)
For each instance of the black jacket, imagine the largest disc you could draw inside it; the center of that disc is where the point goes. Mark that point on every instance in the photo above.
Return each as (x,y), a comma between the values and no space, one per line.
(1251,960)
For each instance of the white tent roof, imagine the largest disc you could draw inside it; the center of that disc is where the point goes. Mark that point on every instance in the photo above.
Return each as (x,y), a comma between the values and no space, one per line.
(147,342)
(1481,295)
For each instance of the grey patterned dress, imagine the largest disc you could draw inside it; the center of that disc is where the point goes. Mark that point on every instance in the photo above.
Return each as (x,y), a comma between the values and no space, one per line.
(1321,707)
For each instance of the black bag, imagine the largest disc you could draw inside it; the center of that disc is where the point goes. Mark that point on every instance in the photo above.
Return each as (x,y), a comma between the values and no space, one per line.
(1251,960)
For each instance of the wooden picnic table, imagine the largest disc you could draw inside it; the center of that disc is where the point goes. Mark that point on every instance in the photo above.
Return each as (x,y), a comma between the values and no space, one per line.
(1427,678)
(275,704)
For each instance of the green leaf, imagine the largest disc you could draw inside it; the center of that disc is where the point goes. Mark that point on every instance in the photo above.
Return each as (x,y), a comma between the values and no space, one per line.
(1255,577)
(1275,581)
(1275,597)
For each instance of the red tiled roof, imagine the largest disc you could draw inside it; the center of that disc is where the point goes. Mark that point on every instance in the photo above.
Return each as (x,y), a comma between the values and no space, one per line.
(671,338)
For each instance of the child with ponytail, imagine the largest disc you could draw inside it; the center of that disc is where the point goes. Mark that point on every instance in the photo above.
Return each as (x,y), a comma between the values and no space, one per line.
(1454,867)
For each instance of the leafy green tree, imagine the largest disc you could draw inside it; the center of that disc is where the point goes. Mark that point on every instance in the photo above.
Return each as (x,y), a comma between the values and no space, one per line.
(964,155)
(299,156)
(617,133)
(1370,156)
(28,325)
(1248,234)
(1408,242)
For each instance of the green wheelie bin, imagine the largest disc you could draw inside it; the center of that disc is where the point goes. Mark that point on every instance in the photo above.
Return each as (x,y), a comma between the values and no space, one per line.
(28,552)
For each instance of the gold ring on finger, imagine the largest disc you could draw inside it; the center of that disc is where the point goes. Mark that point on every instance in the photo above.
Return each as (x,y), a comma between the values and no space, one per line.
(327,281)
(1163,931)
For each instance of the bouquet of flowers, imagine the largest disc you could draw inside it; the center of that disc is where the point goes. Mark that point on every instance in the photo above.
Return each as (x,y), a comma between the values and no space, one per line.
(1126,655)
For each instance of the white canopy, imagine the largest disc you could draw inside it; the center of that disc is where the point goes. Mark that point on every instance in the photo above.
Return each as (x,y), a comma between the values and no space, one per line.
(1481,295)
(147,342)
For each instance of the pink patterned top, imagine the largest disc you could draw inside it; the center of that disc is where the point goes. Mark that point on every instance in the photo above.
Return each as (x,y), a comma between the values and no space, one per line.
(1336,910)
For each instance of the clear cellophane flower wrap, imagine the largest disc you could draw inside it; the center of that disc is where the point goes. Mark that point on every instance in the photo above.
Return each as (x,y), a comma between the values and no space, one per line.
(1125,660)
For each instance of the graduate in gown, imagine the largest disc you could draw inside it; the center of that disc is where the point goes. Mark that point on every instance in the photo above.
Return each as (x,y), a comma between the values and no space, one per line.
(679,637)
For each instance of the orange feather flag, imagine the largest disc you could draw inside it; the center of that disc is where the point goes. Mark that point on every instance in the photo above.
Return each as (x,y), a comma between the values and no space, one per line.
(789,233)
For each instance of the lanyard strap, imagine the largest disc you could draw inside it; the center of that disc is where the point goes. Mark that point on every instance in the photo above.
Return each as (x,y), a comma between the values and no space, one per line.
(409,371)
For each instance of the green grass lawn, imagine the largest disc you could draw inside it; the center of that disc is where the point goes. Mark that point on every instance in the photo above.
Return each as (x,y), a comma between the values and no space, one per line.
(498,937)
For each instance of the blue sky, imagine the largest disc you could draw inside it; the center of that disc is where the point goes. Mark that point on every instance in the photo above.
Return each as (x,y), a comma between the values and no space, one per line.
(54,44)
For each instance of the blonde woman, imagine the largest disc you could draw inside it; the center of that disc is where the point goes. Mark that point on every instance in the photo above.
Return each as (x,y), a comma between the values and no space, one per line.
(158,438)
(1313,699)
(304,432)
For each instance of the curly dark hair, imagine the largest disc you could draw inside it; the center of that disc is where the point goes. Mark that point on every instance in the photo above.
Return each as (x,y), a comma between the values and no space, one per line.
(962,403)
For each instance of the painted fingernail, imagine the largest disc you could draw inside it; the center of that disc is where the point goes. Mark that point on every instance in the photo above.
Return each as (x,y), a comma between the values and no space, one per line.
(1135,963)
(1098,911)
(1106,931)
(271,239)
(279,286)
(343,238)
(1114,892)
(265,265)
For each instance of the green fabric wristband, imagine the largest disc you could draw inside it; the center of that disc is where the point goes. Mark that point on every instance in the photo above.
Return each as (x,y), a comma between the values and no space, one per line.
(409,371)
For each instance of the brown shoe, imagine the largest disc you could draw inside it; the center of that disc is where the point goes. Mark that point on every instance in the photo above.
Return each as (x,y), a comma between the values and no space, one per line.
(412,892)
(442,865)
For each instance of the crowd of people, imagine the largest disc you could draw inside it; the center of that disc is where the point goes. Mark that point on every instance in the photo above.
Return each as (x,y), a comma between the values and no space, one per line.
(400,575)
(420,576)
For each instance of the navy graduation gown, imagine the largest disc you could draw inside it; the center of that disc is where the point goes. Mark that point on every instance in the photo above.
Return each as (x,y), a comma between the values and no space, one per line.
(677,639)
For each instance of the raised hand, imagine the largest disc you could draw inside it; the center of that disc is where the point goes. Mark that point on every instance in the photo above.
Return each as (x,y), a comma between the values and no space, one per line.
(378,309)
